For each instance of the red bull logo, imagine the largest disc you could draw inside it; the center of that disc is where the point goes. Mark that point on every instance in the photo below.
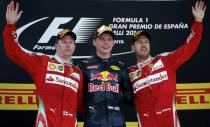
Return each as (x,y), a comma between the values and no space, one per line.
(104,76)
(103,87)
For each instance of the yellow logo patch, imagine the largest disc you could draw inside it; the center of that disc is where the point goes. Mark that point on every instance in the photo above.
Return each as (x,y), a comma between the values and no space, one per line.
(52,66)
(114,67)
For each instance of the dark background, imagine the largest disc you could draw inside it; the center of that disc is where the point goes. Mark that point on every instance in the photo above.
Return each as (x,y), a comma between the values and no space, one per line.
(194,71)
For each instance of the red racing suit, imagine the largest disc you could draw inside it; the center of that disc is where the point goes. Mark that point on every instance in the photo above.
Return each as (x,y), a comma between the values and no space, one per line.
(58,86)
(154,83)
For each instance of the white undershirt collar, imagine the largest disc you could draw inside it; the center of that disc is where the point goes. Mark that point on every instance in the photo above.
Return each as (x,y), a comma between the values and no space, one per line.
(144,63)
(61,60)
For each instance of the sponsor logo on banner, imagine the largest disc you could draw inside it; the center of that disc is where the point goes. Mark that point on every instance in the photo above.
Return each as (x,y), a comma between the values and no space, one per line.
(60,80)
(193,96)
(17,97)
(22,96)
(152,79)
(84,27)
(44,41)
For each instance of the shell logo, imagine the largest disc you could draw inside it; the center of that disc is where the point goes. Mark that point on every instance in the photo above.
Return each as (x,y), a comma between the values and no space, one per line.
(52,66)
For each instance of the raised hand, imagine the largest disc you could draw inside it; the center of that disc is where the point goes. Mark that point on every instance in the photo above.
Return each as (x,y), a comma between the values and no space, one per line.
(12,14)
(199,10)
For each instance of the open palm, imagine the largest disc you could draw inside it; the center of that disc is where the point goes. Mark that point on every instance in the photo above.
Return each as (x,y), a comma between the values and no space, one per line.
(199,10)
(12,14)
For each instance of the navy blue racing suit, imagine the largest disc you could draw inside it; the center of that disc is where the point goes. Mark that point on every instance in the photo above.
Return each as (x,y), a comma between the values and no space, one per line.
(106,85)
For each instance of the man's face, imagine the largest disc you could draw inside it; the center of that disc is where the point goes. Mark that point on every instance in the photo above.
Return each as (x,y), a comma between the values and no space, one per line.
(65,47)
(104,44)
(142,47)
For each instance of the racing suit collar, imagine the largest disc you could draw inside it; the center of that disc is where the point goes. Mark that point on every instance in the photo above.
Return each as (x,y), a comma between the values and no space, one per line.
(100,59)
(147,61)
(62,61)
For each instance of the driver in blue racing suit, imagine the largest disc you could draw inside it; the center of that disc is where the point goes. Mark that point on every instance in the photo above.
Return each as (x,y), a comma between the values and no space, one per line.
(106,83)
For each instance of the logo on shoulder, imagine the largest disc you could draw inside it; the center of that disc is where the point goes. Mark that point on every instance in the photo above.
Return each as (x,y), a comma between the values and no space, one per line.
(14,34)
(75,75)
(134,75)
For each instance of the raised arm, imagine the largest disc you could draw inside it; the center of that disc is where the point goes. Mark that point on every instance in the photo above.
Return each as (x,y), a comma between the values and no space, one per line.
(185,52)
(14,51)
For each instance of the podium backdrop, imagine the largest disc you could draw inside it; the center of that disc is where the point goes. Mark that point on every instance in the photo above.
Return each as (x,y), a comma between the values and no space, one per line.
(168,21)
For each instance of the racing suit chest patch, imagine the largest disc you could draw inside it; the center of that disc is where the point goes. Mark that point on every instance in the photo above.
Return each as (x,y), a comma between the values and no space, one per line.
(148,75)
(54,67)
(103,80)
(57,76)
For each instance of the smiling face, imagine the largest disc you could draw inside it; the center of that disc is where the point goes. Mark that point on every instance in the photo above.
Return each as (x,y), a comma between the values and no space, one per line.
(65,47)
(104,44)
(141,47)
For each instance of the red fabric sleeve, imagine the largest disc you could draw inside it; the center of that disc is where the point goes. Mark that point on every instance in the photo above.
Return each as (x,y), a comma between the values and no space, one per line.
(15,53)
(185,52)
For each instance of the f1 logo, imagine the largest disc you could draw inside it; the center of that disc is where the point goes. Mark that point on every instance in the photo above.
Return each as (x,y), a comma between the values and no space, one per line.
(84,28)
(53,30)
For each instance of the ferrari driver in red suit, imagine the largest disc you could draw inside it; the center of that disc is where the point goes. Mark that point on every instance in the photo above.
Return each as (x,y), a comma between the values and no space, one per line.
(154,78)
(58,82)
